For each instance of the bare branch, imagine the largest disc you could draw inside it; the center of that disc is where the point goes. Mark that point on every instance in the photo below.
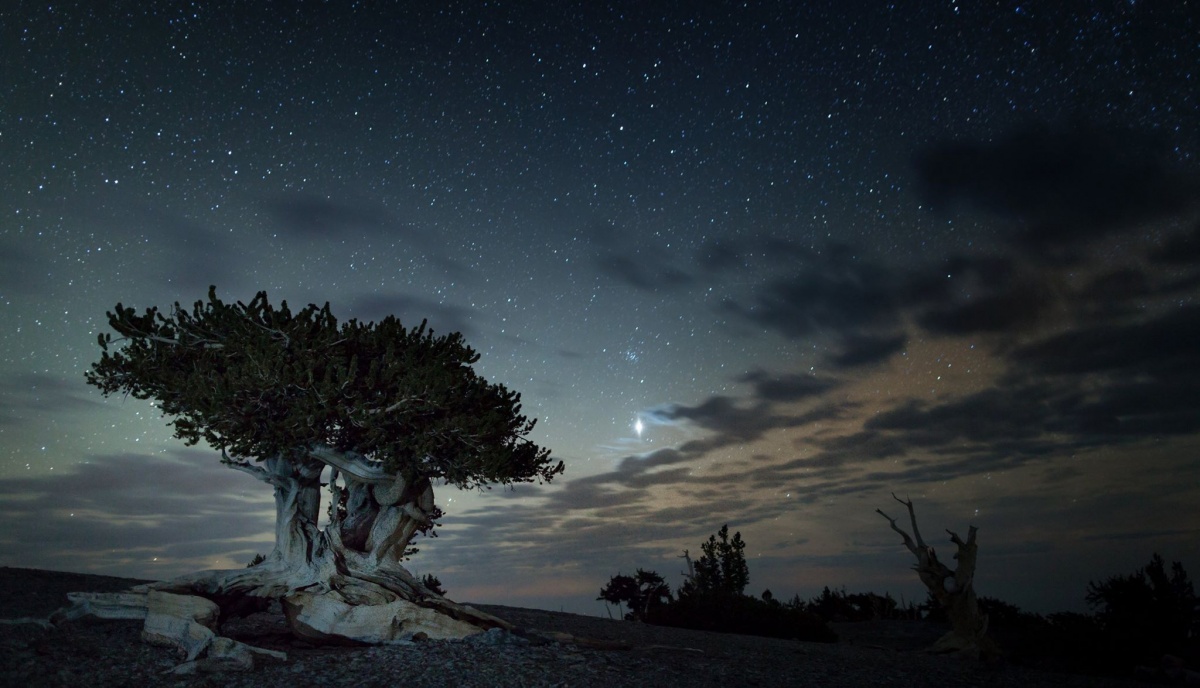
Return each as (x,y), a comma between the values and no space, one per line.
(908,541)
(913,517)
(204,343)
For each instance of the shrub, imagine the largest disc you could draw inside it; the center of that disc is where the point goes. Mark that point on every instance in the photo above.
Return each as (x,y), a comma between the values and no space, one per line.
(837,605)
(434,585)
(742,614)
(639,593)
(1147,614)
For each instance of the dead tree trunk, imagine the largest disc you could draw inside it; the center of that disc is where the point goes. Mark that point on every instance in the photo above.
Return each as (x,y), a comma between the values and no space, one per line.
(953,589)
(341,583)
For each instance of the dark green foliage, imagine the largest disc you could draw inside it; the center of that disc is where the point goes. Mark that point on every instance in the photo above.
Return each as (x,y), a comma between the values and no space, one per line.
(742,614)
(434,585)
(1065,641)
(1141,617)
(1000,614)
(933,610)
(640,593)
(837,605)
(722,569)
(258,559)
(711,599)
(258,381)
(1148,613)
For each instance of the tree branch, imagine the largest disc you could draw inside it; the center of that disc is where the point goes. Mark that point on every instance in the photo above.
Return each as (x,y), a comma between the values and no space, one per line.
(247,467)
(913,517)
(908,541)
(356,466)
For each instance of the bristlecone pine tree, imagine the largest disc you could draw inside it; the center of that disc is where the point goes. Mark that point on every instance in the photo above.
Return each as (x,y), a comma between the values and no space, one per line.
(285,396)
(953,589)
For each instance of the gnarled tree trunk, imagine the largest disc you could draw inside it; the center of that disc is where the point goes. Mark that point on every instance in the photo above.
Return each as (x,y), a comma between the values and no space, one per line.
(953,589)
(341,583)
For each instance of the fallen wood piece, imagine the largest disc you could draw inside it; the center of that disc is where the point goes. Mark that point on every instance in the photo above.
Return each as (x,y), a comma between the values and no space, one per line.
(185,622)
(102,605)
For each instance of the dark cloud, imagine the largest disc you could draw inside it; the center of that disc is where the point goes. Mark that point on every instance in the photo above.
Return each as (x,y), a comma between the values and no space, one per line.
(787,387)
(44,393)
(636,262)
(1068,184)
(863,350)
(118,512)
(643,271)
(984,417)
(305,216)
(1180,249)
(1163,347)
(199,256)
(834,293)
(20,274)
(1018,307)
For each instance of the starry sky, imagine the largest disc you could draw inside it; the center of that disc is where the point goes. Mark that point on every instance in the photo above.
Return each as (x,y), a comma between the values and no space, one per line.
(754,263)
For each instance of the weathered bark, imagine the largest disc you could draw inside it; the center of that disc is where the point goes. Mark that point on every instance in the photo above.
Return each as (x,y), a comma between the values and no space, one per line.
(342,584)
(954,590)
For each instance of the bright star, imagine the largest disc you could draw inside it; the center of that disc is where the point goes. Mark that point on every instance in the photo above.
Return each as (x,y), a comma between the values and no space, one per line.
(638,427)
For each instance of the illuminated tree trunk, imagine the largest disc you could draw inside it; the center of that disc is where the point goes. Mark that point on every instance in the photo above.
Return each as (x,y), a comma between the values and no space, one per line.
(337,584)
(953,589)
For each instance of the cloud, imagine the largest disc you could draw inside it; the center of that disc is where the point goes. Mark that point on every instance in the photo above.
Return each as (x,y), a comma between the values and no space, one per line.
(305,216)
(832,294)
(117,513)
(643,270)
(46,393)
(20,274)
(787,387)
(1180,249)
(1068,184)
(636,263)
(1163,346)
(198,255)
(862,350)
(982,294)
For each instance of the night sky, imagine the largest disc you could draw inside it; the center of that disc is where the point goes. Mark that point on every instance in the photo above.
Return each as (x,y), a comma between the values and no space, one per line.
(749,263)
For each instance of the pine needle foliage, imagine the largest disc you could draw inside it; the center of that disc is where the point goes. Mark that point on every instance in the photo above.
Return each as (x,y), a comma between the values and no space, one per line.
(256,381)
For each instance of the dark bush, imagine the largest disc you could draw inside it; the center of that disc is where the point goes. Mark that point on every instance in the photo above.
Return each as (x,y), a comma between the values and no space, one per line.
(434,585)
(640,593)
(1001,614)
(1147,614)
(837,605)
(742,614)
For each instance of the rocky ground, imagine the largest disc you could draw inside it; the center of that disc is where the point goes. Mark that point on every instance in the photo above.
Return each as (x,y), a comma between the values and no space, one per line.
(109,653)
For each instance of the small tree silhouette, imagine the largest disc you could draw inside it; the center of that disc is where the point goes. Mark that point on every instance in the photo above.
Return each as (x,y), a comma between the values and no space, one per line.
(432,584)
(1148,612)
(639,593)
(721,570)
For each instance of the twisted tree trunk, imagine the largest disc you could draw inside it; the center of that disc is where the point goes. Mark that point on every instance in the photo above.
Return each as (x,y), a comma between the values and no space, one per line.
(954,590)
(342,583)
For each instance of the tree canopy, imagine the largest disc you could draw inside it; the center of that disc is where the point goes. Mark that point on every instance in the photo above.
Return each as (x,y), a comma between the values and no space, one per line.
(640,593)
(258,381)
(722,569)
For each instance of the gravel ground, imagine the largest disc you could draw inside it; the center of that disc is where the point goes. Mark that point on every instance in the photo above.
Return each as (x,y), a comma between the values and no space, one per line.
(98,653)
